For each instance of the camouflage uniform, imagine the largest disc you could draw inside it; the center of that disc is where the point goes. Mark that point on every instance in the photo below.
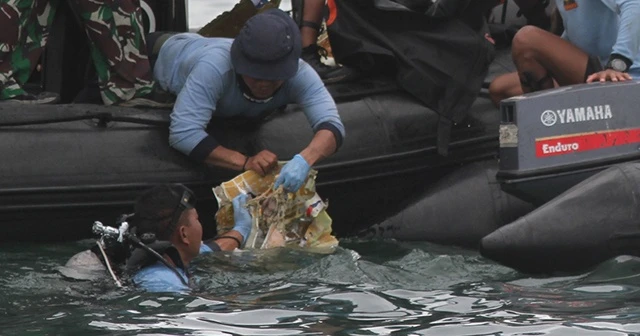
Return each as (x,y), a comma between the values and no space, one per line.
(114,28)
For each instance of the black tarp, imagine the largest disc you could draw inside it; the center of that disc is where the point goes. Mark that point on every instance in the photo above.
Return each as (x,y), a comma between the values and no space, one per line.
(437,50)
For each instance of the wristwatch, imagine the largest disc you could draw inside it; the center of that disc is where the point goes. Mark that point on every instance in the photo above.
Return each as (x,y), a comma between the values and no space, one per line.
(618,63)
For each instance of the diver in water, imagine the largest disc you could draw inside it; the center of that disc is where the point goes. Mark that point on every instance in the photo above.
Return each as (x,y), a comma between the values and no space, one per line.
(601,42)
(257,72)
(117,45)
(166,213)
(163,237)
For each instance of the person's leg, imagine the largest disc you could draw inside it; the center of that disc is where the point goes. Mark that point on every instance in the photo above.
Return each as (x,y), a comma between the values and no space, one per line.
(308,14)
(504,86)
(311,21)
(24,32)
(544,61)
(118,48)
(541,57)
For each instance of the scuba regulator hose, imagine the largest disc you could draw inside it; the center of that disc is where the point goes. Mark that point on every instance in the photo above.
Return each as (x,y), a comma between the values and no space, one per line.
(121,234)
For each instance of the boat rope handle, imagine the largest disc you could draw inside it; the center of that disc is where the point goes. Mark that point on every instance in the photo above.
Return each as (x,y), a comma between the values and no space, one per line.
(103,119)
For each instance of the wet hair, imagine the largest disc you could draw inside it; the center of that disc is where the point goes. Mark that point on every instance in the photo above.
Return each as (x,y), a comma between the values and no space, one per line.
(157,210)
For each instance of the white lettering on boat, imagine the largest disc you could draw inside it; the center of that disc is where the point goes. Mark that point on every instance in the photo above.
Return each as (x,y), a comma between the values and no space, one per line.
(578,114)
(560,148)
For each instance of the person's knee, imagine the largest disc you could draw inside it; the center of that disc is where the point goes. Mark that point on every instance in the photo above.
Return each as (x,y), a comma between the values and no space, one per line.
(526,42)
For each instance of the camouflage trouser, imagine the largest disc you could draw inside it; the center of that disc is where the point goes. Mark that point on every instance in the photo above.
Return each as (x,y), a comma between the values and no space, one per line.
(114,28)
(118,47)
(23,35)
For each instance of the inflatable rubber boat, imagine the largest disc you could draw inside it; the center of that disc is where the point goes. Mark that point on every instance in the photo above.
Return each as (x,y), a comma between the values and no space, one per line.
(65,166)
(593,221)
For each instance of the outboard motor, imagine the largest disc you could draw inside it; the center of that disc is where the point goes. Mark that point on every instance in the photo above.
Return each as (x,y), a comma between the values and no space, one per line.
(551,140)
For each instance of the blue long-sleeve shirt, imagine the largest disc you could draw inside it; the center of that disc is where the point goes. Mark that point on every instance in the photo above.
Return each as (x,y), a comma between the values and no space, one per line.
(603,27)
(199,71)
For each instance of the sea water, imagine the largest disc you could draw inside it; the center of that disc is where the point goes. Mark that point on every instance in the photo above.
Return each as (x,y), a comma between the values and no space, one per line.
(364,288)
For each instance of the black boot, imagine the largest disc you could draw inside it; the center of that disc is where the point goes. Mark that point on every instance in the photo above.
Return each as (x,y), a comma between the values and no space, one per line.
(328,74)
(157,98)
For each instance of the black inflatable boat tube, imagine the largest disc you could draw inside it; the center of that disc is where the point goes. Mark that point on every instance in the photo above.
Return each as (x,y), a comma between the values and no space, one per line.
(460,209)
(588,224)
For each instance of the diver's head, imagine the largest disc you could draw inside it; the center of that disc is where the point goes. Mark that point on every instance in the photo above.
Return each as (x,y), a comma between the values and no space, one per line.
(266,52)
(167,211)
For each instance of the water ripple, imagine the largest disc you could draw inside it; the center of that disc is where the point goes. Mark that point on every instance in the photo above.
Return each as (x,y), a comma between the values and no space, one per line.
(365,288)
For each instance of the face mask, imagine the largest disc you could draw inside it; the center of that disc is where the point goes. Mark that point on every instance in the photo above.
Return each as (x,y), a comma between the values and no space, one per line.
(187,201)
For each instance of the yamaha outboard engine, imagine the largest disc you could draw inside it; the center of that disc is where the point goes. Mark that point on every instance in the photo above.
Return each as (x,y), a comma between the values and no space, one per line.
(551,140)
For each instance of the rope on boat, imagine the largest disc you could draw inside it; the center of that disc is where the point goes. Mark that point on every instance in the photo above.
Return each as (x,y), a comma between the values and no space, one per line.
(103,119)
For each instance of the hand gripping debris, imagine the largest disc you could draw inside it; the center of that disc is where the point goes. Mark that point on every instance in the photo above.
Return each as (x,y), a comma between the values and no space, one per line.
(279,218)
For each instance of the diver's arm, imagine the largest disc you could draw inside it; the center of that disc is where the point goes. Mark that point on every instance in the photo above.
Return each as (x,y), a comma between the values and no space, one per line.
(235,238)
(229,244)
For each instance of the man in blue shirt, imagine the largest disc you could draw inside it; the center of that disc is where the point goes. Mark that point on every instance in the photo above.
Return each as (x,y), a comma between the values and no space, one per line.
(166,214)
(601,42)
(258,71)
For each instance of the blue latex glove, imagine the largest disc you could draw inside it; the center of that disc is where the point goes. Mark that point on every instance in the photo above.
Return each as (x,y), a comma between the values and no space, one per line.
(241,216)
(293,174)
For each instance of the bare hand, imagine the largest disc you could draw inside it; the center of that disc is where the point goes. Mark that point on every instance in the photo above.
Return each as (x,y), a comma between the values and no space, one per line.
(608,75)
(262,163)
